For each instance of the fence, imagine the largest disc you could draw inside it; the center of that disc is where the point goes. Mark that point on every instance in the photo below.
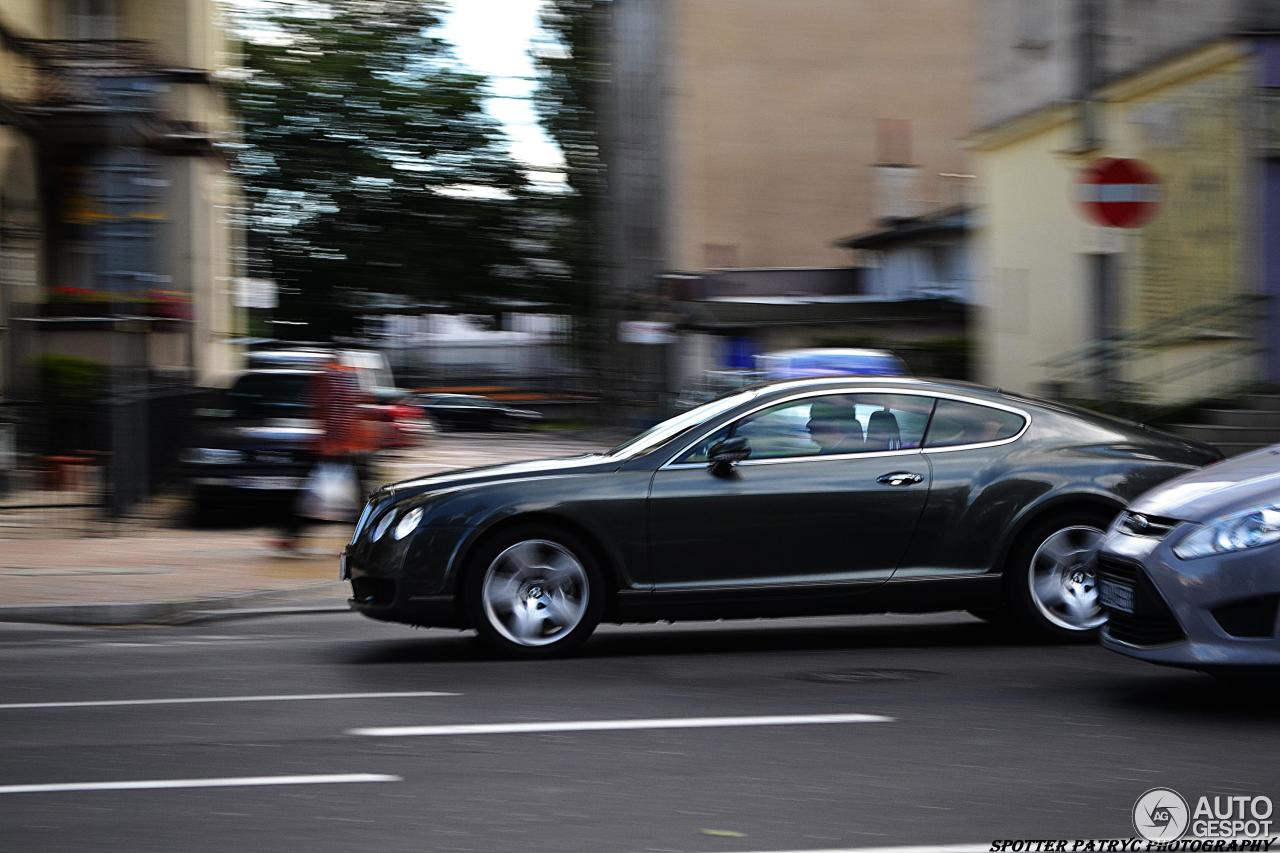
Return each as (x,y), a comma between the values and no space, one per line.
(52,476)
(77,468)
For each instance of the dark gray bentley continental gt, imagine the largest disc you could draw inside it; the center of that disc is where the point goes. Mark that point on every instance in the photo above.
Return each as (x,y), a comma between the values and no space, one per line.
(819,496)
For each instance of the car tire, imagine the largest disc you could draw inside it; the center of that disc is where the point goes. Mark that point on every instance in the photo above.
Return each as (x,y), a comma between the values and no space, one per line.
(534,591)
(1051,575)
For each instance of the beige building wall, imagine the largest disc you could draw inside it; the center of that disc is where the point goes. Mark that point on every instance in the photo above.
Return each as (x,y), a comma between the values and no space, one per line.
(214,269)
(776,109)
(201,245)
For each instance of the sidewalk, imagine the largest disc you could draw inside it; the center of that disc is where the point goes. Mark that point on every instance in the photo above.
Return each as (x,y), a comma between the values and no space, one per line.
(167,576)
(148,571)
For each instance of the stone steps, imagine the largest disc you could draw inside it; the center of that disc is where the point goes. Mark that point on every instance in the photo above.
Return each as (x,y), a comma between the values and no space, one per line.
(1254,425)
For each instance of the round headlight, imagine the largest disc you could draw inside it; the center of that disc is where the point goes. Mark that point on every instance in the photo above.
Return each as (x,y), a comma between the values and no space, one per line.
(409,523)
(382,525)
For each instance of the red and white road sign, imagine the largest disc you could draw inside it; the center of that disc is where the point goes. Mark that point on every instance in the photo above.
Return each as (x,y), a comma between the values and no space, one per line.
(1119,192)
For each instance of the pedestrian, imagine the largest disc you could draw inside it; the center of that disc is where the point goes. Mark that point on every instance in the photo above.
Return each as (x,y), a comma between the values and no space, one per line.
(333,488)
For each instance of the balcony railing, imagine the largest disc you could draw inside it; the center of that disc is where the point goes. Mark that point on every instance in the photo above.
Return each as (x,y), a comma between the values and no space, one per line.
(42,78)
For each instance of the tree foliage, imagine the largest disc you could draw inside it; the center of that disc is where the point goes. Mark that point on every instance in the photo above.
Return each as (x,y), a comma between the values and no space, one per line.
(572,75)
(369,163)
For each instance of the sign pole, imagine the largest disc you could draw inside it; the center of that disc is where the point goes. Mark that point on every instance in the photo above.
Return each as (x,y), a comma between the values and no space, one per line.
(1091,136)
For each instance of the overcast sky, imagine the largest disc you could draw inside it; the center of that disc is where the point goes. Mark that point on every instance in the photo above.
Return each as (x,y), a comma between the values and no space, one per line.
(493,37)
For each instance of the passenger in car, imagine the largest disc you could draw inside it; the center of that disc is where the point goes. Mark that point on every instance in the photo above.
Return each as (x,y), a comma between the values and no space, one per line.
(835,428)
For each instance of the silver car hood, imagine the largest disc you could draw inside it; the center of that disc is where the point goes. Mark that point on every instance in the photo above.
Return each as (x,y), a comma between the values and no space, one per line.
(1220,489)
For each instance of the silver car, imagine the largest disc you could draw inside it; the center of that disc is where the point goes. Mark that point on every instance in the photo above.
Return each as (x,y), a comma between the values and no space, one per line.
(1190,574)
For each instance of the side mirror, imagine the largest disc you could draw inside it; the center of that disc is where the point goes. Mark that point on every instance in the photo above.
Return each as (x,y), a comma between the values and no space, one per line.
(727,453)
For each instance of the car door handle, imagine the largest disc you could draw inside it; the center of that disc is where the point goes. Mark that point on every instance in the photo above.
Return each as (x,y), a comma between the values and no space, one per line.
(899,478)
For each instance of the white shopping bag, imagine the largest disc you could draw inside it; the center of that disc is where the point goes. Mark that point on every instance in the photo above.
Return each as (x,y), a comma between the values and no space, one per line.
(331,493)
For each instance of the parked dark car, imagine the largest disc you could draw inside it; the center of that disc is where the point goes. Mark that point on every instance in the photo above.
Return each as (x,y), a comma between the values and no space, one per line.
(255,440)
(473,412)
(842,495)
(258,441)
(1190,573)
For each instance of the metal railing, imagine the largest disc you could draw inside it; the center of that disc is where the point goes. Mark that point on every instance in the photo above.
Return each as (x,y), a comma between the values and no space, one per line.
(1114,368)
(81,72)
(52,473)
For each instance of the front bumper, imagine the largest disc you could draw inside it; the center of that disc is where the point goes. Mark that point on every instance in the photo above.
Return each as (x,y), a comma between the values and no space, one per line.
(247,479)
(1219,611)
(410,580)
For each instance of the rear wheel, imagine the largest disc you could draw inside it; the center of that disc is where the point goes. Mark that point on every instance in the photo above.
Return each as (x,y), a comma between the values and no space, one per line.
(534,592)
(1052,575)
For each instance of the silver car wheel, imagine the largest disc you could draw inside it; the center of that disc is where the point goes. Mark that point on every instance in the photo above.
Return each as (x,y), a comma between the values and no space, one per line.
(1064,581)
(535,593)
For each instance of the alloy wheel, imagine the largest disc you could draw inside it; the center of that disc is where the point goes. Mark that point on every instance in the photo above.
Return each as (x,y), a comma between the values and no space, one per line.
(1064,580)
(535,593)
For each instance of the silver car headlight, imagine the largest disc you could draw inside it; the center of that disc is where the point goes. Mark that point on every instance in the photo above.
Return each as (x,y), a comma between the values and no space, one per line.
(211,456)
(408,523)
(382,525)
(1251,528)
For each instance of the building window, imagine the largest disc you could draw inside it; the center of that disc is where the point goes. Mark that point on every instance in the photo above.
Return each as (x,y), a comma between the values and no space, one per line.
(91,19)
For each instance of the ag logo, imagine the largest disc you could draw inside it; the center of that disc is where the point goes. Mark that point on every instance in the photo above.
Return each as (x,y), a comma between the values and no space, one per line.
(1161,815)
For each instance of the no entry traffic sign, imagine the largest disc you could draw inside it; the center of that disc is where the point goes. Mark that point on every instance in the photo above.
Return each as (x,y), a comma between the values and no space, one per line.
(1119,192)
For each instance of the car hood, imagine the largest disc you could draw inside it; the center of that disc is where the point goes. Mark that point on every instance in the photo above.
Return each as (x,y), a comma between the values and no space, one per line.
(537,468)
(1217,490)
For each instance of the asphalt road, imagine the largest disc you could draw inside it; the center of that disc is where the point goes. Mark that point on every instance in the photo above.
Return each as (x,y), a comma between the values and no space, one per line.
(964,737)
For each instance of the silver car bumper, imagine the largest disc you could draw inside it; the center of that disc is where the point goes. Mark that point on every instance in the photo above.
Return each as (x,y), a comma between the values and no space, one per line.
(1216,611)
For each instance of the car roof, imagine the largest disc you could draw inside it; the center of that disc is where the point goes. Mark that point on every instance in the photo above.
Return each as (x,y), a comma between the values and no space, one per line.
(820,382)
(850,351)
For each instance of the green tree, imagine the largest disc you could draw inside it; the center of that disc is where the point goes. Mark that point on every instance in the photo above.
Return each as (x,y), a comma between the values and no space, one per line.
(368,162)
(572,75)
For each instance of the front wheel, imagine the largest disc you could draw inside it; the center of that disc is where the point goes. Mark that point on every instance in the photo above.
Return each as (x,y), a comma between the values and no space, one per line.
(1052,575)
(534,593)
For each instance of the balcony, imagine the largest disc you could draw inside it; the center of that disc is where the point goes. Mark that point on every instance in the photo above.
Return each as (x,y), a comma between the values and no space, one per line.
(74,92)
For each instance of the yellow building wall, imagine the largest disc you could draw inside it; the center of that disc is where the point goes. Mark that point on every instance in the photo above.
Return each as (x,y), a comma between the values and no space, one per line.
(1187,120)
(214,270)
(30,18)
(1193,135)
(1032,287)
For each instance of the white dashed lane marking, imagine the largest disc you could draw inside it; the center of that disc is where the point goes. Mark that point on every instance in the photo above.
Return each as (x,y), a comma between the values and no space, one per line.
(232,782)
(199,700)
(620,725)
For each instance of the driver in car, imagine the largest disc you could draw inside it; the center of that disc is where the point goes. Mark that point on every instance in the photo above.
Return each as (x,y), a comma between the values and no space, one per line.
(835,428)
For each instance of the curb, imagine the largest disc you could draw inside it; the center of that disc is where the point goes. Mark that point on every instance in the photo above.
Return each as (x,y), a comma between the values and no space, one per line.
(259,603)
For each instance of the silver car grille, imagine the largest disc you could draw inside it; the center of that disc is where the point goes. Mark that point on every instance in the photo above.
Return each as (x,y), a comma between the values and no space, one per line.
(1150,526)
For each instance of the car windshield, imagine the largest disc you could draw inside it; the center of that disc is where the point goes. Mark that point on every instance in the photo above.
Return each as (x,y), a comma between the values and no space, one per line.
(269,394)
(659,433)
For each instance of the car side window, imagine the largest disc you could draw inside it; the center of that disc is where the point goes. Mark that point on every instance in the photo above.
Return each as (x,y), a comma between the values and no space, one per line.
(828,425)
(955,423)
